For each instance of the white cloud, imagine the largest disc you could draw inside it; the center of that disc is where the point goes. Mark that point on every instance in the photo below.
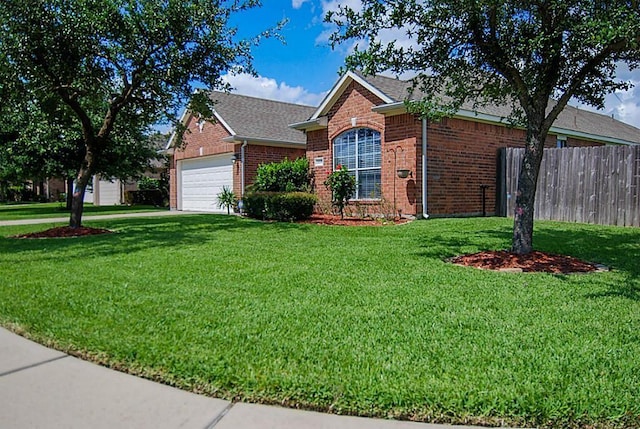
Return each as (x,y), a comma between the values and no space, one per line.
(623,105)
(399,36)
(334,5)
(264,87)
(297,4)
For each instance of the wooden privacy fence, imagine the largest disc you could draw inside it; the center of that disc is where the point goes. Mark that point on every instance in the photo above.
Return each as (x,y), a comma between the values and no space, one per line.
(599,185)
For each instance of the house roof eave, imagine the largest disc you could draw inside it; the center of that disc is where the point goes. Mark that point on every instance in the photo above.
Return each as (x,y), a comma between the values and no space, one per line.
(264,142)
(398,108)
(311,125)
(172,138)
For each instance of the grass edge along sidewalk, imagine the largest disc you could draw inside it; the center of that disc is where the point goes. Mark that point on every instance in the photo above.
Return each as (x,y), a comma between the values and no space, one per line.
(365,321)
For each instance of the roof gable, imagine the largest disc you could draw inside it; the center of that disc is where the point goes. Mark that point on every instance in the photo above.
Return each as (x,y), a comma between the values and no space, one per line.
(341,86)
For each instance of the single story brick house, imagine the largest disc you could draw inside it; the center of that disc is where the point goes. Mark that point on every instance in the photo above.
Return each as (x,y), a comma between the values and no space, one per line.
(416,167)
(247,132)
(363,124)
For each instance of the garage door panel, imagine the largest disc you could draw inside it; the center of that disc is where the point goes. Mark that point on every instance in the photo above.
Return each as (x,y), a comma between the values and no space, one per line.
(202,180)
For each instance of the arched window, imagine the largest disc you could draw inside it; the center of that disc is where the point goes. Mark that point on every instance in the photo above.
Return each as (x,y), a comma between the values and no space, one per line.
(359,150)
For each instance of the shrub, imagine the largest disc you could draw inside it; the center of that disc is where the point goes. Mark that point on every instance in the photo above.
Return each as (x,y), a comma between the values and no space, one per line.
(227,199)
(281,206)
(284,176)
(342,186)
(151,197)
(145,183)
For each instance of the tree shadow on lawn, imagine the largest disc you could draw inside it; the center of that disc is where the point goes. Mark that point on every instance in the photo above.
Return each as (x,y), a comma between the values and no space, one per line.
(31,210)
(136,234)
(37,210)
(618,248)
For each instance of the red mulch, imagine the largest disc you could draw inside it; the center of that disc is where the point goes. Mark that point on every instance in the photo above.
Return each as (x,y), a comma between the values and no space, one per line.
(65,231)
(329,219)
(532,262)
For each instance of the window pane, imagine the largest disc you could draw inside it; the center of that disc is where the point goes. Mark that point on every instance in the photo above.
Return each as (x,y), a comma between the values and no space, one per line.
(368,149)
(369,184)
(345,151)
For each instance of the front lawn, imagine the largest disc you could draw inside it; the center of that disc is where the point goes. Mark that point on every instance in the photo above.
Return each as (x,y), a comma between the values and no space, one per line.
(357,320)
(54,210)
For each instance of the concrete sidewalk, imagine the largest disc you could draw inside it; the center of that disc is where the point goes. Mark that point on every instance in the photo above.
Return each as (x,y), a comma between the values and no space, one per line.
(65,219)
(43,388)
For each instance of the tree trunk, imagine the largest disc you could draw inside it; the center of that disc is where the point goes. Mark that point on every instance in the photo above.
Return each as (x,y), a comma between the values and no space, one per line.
(77,202)
(69,198)
(526,194)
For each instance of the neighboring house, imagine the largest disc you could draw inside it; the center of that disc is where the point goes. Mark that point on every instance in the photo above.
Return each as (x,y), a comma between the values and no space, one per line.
(100,192)
(246,132)
(363,124)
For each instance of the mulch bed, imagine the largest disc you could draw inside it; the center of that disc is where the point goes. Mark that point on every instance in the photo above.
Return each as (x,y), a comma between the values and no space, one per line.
(64,232)
(330,219)
(535,261)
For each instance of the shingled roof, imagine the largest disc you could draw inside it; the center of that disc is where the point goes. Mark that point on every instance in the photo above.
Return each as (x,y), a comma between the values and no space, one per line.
(257,119)
(570,119)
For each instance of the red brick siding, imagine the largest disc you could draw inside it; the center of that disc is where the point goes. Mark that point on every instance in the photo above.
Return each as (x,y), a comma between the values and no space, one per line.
(462,156)
(318,147)
(258,154)
(402,135)
(400,131)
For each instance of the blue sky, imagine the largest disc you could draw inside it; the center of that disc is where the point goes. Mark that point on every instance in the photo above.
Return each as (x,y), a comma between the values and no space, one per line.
(305,67)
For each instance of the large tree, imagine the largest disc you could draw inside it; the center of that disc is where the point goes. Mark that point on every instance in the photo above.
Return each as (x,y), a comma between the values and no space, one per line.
(533,54)
(118,66)
(42,139)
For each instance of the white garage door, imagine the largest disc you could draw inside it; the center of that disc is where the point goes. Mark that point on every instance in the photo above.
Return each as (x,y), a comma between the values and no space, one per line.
(202,179)
(109,193)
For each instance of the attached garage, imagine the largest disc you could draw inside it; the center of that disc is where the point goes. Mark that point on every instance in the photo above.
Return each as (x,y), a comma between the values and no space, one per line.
(249,130)
(201,180)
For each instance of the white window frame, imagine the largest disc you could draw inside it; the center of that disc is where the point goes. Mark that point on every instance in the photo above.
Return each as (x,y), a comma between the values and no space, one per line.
(358,169)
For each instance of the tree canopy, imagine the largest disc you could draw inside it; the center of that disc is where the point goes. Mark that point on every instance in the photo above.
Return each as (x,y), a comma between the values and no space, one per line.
(535,54)
(116,67)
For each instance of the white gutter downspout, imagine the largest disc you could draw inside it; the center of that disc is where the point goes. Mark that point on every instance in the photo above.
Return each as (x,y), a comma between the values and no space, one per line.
(244,144)
(424,169)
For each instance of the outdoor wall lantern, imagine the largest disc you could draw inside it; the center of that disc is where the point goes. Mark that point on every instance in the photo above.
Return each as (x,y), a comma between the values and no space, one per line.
(403,173)
(234,158)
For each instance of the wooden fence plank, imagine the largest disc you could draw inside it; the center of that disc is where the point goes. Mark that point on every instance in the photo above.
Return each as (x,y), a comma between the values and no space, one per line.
(593,184)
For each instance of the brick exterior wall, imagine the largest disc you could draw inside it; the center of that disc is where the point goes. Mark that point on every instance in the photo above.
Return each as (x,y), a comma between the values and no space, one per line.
(209,141)
(462,155)
(258,154)
(398,134)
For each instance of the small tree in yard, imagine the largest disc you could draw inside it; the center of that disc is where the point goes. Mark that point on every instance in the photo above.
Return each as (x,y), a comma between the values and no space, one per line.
(342,186)
(533,54)
(117,65)
(226,198)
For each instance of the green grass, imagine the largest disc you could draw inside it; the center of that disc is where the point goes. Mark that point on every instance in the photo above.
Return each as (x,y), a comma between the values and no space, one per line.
(369,321)
(54,210)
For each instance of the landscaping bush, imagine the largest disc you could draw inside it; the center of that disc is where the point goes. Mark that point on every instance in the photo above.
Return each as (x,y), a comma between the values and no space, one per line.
(342,186)
(281,206)
(151,197)
(151,191)
(146,183)
(284,176)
